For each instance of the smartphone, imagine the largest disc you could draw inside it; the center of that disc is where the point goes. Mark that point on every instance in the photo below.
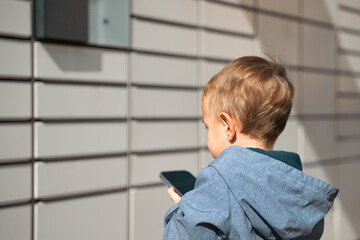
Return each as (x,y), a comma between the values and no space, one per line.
(182,181)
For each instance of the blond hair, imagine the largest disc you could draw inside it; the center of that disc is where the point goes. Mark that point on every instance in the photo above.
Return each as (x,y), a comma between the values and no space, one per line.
(254,91)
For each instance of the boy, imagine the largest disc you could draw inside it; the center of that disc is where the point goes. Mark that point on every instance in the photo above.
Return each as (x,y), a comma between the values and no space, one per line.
(249,191)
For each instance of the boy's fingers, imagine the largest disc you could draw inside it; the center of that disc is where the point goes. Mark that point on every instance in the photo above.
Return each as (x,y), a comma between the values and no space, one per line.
(173,195)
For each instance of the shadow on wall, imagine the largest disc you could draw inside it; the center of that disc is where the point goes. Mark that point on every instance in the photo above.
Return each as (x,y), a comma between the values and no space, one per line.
(347,144)
(347,132)
(63,57)
(319,108)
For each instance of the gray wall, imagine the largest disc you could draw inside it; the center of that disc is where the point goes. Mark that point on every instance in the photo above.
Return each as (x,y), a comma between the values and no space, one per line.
(84,131)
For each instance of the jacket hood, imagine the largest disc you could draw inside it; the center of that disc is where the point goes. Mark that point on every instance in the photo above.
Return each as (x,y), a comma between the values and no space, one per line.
(279,200)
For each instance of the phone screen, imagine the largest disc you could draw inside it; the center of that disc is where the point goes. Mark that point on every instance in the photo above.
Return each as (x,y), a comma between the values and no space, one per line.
(183,181)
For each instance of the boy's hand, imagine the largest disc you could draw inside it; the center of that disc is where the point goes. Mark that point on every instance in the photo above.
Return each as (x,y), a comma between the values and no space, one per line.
(173,195)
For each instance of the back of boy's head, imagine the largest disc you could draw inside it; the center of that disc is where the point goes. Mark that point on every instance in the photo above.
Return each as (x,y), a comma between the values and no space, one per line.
(254,91)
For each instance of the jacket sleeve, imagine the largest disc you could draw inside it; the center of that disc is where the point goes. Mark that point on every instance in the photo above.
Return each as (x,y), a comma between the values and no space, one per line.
(203,213)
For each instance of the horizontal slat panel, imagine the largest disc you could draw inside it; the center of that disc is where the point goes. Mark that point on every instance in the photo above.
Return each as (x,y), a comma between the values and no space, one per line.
(312,101)
(170,10)
(158,70)
(281,6)
(348,127)
(319,140)
(349,105)
(148,221)
(100,217)
(15,183)
(228,18)
(146,169)
(319,47)
(349,20)
(348,210)
(348,84)
(323,11)
(351,3)
(239,2)
(164,38)
(62,62)
(58,139)
(57,100)
(15,141)
(209,69)
(349,41)
(15,17)
(164,103)
(279,37)
(15,58)
(231,46)
(15,100)
(80,176)
(288,139)
(349,63)
(169,135)
(15,223)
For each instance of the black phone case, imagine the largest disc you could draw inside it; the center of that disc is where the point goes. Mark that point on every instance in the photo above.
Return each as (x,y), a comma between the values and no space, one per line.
(169,184)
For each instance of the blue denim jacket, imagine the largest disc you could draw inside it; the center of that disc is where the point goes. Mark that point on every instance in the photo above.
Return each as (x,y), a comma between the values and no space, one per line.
(247,195)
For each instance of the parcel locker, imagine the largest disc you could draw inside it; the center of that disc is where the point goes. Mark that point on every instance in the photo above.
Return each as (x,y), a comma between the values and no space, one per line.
(79,101)
(15,141)
(164,38)
(15,18)
(73,139)
(15,183)
(15,223)
(160,70)
(91,218)
(15,59)
(80,176)
(62,62)
(169,135)
(172,11)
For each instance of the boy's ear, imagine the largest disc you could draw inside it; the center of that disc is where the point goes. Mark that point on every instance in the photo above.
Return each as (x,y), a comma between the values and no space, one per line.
(229,125)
